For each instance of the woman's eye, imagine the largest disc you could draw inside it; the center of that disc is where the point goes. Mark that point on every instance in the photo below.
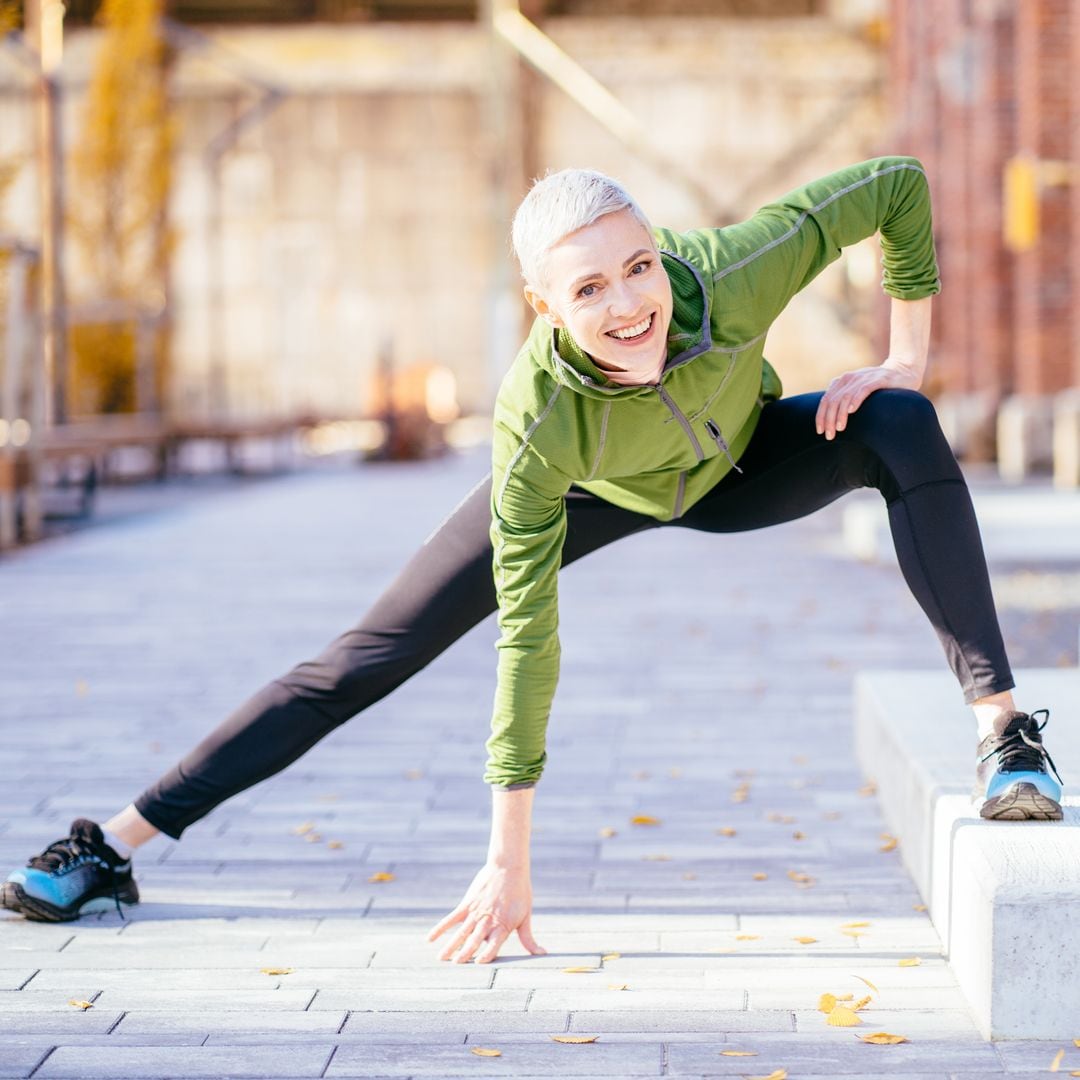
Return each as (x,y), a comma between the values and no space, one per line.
(641,267)
(588,290)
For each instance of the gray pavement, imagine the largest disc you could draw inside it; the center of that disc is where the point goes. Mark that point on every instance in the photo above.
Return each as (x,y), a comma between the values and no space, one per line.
(706,682)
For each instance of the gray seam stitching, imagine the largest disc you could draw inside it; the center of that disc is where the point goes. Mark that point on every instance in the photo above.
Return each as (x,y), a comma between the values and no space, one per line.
(603,439)
(806,213)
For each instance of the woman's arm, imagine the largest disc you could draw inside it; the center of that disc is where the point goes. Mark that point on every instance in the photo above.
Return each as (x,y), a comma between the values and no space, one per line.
(909,340)
(499,900)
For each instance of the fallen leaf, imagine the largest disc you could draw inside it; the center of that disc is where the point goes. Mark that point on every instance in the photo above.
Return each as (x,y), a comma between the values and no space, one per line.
(611,956)
(575,1038)
(336,845)
(868,983)
(739,774)
(911,961)
(882,1038)
(772,815)
(644,819)
(747,937)
(890,842)
(918,907)
(741,793)
(845,997)
(868,789)
(1056,1063)
(276,971)
(656,858)
(826,1003)
(787,819)
(832,815)
(607,832)
(300,830)
(618,986)
(381,875)
(84,1005)
(674,772)
(414,774)
(800,759)
(852,925)
(578,970)
(738,1053)
(641,774)
(313,838)
(805,940)
(861,1003)
(842,1016)
(481,1051)
(761,876)
(853,933)
(329,798)
(727,830)
(779,1074)
(689,876)
(1076,1042)
(798,836)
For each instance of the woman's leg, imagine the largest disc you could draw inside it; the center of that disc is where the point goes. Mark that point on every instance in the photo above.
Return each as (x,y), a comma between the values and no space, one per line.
(445,590)
(893,443)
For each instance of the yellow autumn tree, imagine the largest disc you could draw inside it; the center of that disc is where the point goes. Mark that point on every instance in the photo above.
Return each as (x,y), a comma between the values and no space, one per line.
(121,171)
(9,20)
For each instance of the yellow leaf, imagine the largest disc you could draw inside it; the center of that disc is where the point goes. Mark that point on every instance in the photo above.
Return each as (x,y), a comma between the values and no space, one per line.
(779,1074)
(727,830)
(918,907)
(481,1051)
(832,815)
(381,875)
(890,842)
(845,997)
(674,772)
(329,798)
(911,961)
(84,1005)
(276,971)
(787,819)
(741,793)
(744,773)
(300,830)
(607,832)
(800,759)
(641,774)
(805,940)
(853,933)
(611,956)
(618,986)
(575,1038)
(883,1038)
(656,858)
(826,1003)
(82,688)
(414,774)
(798,836)
(579,970)
(868,789)
(738,1053)
(868,983)
(861,1003)
(761,876)
(689,876)
(644,819)
(336,845)
(772,815)
(855,924)
(747,937)
(1076,1042)
(841,1016)
(1056,1063)
(313,838)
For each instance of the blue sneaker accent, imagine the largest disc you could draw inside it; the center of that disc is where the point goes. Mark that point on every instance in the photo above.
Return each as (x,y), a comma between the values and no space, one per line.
(1000,782)
(69,877)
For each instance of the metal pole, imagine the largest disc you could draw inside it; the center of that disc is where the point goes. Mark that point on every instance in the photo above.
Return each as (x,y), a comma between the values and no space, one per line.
(45,31)
(15,355)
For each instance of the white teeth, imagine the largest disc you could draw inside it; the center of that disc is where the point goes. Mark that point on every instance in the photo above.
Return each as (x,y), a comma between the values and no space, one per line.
(632,331)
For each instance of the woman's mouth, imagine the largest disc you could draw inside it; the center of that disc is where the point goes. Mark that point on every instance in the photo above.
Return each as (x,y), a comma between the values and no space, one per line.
(631,335)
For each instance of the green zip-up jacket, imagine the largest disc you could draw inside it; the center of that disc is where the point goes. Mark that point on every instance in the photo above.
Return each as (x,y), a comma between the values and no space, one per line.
(657,449)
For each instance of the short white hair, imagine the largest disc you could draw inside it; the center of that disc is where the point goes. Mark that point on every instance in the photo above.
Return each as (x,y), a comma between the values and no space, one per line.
(559,204)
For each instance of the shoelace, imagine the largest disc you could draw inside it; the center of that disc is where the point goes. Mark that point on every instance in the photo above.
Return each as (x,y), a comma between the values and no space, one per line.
(67,851)
(1019,752)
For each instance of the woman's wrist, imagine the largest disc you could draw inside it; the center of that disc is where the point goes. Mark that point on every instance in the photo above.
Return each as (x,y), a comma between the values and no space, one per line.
(511,828)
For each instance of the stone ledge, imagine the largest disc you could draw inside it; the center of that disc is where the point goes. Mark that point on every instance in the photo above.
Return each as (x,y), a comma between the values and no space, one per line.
(1004,897)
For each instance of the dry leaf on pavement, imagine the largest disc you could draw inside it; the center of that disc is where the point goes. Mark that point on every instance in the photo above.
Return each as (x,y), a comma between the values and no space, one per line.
(84,1005)
(911,961)
(779,1074)
(805,940)
(644,819)
(738,1053)
(826,1003)
(276,971)
(381,875)
(579,970)
(868,983)
(883,1038)
(727,830)
(482,1051)
(842,1016)
(1056,1063)
(575,1038)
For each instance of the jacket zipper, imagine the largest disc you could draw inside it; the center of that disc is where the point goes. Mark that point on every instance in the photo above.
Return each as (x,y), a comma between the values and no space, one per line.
(718,437)
(666,398)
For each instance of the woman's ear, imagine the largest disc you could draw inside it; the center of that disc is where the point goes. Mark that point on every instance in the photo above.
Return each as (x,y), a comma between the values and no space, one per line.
(542,307)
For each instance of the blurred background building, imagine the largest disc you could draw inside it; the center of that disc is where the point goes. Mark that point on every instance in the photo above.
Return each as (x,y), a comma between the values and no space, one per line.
(219,218)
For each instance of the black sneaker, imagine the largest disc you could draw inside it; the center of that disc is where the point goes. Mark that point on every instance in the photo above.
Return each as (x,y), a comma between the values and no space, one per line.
(70,876)
(1018,787)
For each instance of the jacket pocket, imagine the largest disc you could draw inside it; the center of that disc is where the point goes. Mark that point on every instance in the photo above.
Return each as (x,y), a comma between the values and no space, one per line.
(717,437)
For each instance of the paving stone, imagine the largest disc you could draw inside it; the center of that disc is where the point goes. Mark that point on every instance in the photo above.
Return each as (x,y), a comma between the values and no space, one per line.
(674,1020)
(277,1022)
(426,1022)
(124,1062)
(21,1060)
(381,999)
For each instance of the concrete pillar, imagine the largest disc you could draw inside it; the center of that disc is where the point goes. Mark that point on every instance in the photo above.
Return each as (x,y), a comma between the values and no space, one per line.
(1067,439)
(1024,435)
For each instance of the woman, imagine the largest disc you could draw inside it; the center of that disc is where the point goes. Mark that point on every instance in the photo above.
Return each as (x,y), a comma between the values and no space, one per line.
(641,399)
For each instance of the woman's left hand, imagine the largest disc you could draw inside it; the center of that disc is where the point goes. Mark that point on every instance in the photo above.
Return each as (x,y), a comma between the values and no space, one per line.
(848,391)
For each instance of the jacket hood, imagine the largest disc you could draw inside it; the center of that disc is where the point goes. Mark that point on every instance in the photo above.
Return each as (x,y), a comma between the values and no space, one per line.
(688,336)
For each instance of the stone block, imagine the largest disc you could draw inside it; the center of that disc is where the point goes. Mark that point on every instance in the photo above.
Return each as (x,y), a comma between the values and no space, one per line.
(266,1062)
(1025,436)
(1004,896)
(1067,440)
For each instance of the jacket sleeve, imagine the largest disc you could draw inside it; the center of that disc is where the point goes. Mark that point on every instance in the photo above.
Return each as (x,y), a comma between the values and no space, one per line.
(787,243)
(528,526)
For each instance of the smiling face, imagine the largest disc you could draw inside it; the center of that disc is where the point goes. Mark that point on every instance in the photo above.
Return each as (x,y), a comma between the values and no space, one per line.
(606,286)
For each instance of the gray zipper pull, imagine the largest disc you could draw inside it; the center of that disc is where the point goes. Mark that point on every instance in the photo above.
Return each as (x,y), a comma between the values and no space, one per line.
(717,436)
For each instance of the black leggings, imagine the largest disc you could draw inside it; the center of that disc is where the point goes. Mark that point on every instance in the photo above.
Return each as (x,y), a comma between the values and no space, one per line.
(892,443)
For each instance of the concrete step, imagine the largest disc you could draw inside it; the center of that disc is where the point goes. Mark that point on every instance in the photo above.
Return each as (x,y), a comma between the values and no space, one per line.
(1003,896)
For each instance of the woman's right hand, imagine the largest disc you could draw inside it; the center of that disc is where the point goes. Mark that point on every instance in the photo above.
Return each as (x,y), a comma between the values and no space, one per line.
(498,902)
